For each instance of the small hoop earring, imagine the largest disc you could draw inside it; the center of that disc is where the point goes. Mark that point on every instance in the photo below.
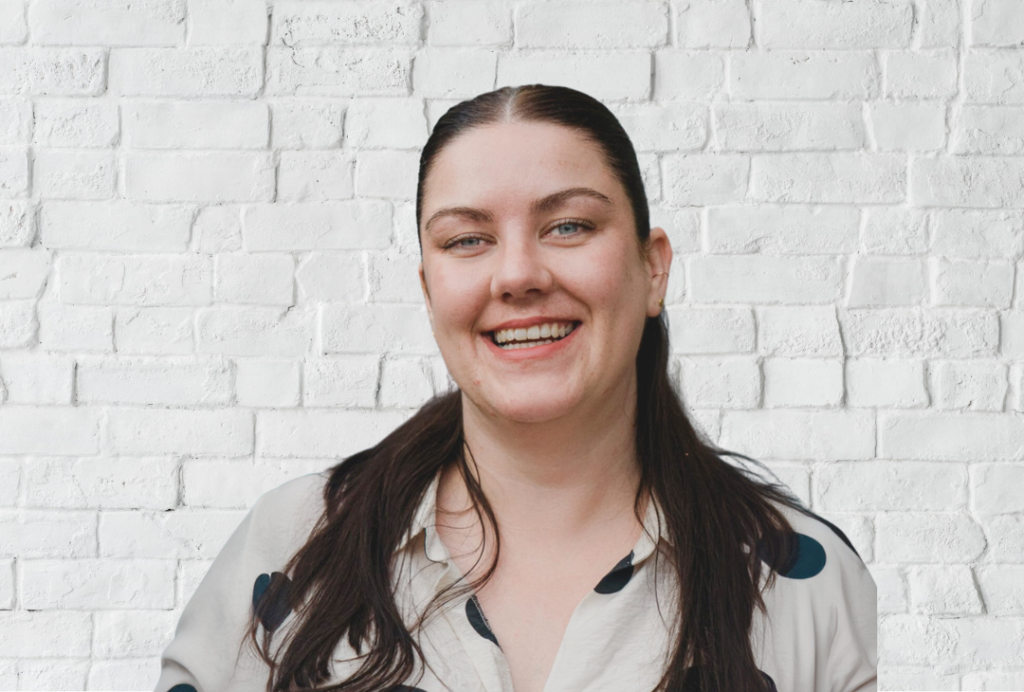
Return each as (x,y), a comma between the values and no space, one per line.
(661,302)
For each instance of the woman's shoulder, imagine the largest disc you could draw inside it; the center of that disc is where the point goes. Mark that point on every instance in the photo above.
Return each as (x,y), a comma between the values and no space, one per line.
(283,517)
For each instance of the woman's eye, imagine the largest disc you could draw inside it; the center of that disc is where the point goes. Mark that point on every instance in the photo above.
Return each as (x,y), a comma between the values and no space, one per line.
(570,224)
(458,242)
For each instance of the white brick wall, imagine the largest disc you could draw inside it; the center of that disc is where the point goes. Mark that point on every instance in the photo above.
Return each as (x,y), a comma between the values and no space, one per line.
(207,280)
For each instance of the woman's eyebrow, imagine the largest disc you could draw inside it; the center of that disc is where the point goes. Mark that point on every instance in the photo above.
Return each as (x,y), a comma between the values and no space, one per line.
(544,204)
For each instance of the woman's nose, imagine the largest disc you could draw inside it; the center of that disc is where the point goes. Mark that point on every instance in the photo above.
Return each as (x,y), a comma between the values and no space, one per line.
(521,267)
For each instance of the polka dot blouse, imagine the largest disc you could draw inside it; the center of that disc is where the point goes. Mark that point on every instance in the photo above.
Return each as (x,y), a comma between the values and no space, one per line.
(819,633)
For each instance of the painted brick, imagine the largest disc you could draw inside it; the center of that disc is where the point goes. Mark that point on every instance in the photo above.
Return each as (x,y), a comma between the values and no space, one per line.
(790,127)
(713,381)
(202,72)
(886,383)
(16,121)
(386,173)
(338,71)
(30,534)
(14,181)
(397,123)
(55,633)
(6,585)
(254,331)
(195,125)
(37,378)
(894,231)
(115,225)
(812,24)
(996,130)
(781,74)
(997,23)
(199,177)
(134,279)
(107,22)
(327,226)
(306,124)
(885,281)
(17,224)
(97,584)
(24,273)
(1006,537)
(375,328)
(976,234)
(921,74)
(153,331)
(802,382)
(164,535)
(887,485)
(451,73)
(939,23)
(950,436)
(178,431)
(713,24)
(782,230)
(696,75)
(585,25)
(1002,588)
(908,125)
(705,179)
(103,483)
(892,589)
(943,589)
(337,277)
(146,381)
(828,178)
(267,383)
(699,330)
(994,76)
(49,430)
(928,537)
(966,283)
(1011,329)
(346,381)
(227,22)
(58,71)
(406,382)
(238,483)
(13,29)
(315,176)
(669,127)
(17,324)
(354,23)
(121,633)
(262,279)
(469,24)
(323,433)
(798,331)
(218,229)
(75,123)
(394,278)
(75,328)
(73,174)
(782,434)
(979,385)
(995,488)
(913,332)
(763,279)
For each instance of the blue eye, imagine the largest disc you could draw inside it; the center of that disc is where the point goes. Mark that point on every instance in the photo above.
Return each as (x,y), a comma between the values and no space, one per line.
(571,223)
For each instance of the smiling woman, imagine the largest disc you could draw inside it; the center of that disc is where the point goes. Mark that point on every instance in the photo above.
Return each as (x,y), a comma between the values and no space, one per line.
(631,554)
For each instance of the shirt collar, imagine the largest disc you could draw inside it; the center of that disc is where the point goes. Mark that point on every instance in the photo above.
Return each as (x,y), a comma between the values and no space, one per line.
(425,516)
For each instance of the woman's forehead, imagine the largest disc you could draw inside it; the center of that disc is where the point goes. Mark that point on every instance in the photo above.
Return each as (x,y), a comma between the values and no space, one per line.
(518,162)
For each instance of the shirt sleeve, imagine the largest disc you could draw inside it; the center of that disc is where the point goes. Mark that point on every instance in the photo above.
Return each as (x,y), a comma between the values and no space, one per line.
(208,652)
(853,654)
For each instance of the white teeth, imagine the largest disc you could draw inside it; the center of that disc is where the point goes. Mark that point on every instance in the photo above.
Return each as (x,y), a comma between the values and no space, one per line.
(549,332)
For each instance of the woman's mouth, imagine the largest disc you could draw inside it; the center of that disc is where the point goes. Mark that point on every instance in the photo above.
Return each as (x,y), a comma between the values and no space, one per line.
(530,337)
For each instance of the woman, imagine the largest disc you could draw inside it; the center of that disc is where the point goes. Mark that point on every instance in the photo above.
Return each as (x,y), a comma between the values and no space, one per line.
(631,555)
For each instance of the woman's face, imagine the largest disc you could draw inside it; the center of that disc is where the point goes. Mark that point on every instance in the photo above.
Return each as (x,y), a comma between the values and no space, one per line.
(523,224)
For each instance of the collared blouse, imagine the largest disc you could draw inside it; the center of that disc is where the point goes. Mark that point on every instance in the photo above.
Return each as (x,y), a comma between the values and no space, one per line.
(819,633)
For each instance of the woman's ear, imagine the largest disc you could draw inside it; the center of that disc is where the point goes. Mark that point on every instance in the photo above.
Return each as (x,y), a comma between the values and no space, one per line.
(659,260)
(426,293)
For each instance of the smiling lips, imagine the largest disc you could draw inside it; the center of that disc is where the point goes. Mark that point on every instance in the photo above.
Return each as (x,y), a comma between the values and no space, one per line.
(549,331)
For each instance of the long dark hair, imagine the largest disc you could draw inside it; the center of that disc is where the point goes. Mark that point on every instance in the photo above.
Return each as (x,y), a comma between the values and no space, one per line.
(720,517)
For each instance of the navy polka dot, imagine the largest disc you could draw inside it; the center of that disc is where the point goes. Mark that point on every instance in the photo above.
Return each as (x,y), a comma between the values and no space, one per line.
(271,614)
(619,576)
(476,619)
(802,557)
(182,688)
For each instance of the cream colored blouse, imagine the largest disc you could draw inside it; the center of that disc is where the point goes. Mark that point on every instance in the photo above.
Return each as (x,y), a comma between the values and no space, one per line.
(819,634)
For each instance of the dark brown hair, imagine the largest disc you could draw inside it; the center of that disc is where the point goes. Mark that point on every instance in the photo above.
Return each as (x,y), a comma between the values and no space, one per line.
(720,517)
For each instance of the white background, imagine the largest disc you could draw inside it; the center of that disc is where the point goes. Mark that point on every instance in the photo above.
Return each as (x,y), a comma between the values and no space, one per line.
(208,280)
